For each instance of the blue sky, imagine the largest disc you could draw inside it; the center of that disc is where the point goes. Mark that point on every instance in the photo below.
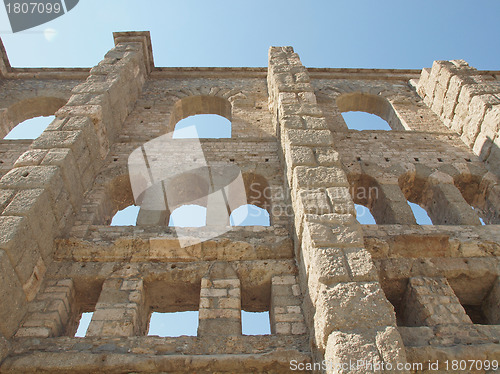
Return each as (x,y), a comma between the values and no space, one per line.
(377,34)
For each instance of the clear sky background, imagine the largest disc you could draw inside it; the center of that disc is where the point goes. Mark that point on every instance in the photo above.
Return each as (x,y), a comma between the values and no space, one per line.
(366,34)
(339,34)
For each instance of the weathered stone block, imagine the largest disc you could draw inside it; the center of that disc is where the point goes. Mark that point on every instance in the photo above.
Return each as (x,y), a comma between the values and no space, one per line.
(360,264)
(321,176)
(31,157)
(426,300)
(349,306)
(325,265)
(341,200)
(12,296)
(30,177)
(332,235)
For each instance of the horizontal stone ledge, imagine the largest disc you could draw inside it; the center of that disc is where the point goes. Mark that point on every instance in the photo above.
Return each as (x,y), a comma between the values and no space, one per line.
(277,361)
(166,248)
(449,335)
(459,352)
(147,346)
(415,241)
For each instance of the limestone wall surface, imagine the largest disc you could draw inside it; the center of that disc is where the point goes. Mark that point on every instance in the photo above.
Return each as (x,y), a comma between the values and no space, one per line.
(386,296)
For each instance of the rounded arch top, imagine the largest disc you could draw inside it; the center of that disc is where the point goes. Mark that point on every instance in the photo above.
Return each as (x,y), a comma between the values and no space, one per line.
(200,104)
(369,103)
(34,107)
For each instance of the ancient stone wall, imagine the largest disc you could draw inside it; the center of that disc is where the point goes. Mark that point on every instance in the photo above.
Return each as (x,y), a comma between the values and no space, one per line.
(395,293)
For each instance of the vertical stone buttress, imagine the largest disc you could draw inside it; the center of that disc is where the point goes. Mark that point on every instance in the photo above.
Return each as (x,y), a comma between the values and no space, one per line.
(220,302)
(431,301)
(468,103)
(40,195)
(344,303)
(120,308)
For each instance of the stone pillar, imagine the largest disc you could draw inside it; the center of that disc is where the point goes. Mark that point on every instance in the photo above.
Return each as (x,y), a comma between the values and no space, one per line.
(51,310)
(153,211)
(120,308)
(445,203)
(391,206)
(217,209)
(491,305)
(286,312)
(338,276)
(47,184)
(220,302)
(466,102)
(430,302)
(11,295)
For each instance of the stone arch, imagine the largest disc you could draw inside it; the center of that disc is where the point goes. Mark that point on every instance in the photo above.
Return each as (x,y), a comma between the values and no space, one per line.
(28,108)
(435,191)
(369,103)
(114,194)
(384,200)
(482,192)
(257,191)
(187,188)
(199,104)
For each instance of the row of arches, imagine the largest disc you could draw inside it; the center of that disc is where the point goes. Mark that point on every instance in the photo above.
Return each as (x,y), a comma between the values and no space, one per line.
(202,116)
(424,197)
(191,215)
(187,202)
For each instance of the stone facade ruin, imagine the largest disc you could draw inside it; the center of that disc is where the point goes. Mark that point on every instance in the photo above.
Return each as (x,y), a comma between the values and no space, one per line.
(395,293)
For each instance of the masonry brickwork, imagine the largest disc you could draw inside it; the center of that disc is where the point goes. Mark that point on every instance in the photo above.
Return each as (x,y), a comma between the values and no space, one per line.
(394,293)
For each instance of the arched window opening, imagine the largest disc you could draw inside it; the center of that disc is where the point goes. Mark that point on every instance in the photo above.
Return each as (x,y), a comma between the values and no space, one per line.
(203,126)
(420,214)
(423,198)
(30,128)
(126,216)
(379,106)
(364,121)
(23,110)
(255,323)
(363,215)
(480,196)
(173,324)
(116,205)
(249,215)
(189,216)
(201,117)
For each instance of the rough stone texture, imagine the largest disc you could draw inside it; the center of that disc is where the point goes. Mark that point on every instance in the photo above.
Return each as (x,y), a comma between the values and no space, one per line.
(491,305)
(431,301)
(335,290)
(49,313)
(286,311)
(471,104)
(220,302)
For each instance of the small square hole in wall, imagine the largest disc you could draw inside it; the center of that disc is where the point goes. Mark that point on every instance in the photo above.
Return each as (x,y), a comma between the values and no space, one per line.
(173,324)
(255,323)
(83,324)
